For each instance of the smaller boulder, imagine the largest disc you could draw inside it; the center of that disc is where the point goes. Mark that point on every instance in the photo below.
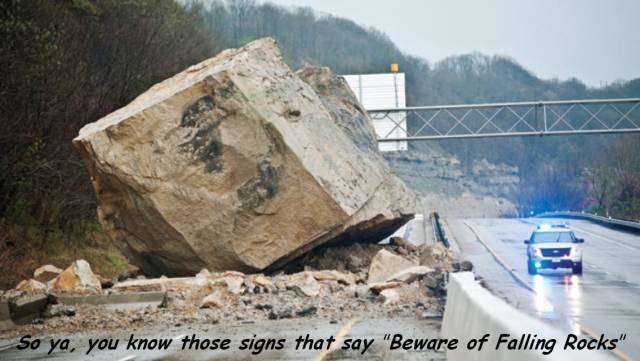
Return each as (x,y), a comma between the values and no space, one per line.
(386,264)
(263,282)
(130,272)
(403,246)
(380,286)
(204,273)
(333,275)
(410,274)
(234,284)
(214,300)
(105,283)
(258,284)
(304,286)
(31,287)
(466,266)
(232,280)
(78,278)
(286,312)
(307,311)
(359,291)
(11,294)
(58,310)
(233,273)
(46,273)
(390,296)
(436,281)
(437,256)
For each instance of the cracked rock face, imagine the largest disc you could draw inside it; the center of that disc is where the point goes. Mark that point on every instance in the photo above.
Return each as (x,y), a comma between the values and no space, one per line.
(237,163)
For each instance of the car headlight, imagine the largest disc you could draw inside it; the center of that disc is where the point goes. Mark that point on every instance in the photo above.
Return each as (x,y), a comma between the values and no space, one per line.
(574,249)
(537,252)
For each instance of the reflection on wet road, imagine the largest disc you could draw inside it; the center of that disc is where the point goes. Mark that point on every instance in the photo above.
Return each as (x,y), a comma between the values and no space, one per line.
(543,286)
(604,299)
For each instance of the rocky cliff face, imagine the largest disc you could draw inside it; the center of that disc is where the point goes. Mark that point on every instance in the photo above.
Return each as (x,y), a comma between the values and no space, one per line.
(482,190)
(442,173)
(238,163)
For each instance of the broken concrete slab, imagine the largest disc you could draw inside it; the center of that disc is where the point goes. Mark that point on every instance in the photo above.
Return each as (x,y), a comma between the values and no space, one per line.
(6,323)
(151,285)
(196,171)
(127,301)
(385,265)
(162,284)
(25,309)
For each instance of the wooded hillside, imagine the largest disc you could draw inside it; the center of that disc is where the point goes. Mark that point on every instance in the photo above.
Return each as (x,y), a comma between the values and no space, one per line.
(69,62)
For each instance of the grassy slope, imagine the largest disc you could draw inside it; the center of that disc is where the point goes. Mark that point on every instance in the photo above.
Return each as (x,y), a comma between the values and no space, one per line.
(24,250)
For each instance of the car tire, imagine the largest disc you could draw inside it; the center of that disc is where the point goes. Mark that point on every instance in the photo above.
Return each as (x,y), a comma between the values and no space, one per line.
(531,268)
(577,268)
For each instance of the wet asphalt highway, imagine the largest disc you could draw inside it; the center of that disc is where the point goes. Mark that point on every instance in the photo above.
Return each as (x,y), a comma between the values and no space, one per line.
(287,329)
(605,299)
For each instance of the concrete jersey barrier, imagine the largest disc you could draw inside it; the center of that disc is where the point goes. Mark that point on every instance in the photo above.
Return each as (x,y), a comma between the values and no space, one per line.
(472,311)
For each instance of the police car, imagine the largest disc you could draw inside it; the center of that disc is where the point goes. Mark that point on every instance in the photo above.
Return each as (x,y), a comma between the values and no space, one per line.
(554,246)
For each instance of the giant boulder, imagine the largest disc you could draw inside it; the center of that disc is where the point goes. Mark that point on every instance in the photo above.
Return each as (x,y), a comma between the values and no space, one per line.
(238,163)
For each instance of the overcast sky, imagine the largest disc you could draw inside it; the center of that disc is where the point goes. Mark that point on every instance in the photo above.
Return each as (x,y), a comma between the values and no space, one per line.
(595,41)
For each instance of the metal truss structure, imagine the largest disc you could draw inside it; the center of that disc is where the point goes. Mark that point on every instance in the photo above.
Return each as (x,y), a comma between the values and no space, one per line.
(510,119)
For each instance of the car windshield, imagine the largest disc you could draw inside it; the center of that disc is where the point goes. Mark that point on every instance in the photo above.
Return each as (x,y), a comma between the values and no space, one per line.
(548,237)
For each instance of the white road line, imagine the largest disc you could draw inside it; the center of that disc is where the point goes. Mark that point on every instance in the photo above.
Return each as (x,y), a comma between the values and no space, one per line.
(128,358)
(326,354)
(618,353)
(179,337)
(7,347)
(605,238)
(548,305)
(594,335)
